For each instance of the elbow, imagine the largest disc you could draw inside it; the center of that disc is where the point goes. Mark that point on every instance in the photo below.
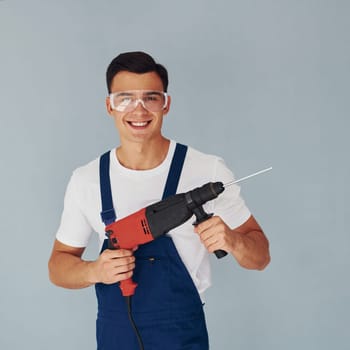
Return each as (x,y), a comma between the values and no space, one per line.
(264,263)
(265,256)
(52,275)
(258,264)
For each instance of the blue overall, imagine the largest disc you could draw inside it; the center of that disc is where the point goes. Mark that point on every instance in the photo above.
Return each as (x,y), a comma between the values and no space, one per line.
(166,307)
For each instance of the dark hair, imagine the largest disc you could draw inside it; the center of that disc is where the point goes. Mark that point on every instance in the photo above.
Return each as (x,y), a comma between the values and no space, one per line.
(135,62)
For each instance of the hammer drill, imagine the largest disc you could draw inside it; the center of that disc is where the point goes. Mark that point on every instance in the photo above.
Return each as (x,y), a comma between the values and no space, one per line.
(159,218)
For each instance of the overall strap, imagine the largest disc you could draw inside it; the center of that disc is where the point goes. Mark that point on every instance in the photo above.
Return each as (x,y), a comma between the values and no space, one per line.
(108,215)
(175,170)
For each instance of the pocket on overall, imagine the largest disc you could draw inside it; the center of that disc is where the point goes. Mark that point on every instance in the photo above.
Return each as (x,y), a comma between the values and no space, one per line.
(152,276)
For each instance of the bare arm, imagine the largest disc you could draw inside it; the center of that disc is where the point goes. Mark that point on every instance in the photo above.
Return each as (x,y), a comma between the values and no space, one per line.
(247,243)
(67,269)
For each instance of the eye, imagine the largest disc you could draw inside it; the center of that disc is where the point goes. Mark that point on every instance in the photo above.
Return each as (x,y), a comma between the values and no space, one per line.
(123,100)
(154,97)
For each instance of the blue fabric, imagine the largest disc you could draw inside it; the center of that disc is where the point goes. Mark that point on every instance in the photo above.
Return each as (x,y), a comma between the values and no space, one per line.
(107,214)
(166,306)
(175,170)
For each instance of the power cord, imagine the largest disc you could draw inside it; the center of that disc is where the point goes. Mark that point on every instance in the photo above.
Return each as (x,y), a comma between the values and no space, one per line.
(137,333)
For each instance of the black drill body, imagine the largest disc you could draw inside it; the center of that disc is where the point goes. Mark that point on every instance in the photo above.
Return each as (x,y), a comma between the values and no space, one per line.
(176,210)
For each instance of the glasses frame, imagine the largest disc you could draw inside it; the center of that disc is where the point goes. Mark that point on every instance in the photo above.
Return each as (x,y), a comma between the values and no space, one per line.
(139,100)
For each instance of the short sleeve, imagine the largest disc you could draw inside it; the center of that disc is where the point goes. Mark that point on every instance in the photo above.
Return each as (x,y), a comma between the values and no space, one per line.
(74,229)
(230,206)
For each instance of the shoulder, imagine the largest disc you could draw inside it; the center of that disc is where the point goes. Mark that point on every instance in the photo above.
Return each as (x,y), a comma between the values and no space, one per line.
(196,156)
(209,163)
(87,174)
(201,167)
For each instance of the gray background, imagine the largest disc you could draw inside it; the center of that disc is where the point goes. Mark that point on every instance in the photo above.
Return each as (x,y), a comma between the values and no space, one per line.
(259,83)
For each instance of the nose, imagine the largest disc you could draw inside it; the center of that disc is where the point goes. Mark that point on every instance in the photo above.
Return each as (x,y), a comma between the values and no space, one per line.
(140,106)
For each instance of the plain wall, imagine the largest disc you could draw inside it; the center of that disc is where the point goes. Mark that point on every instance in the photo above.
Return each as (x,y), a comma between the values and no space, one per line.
(260,83)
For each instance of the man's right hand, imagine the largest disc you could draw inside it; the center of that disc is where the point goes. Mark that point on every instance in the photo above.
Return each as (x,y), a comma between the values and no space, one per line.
(113,266)
(67,269)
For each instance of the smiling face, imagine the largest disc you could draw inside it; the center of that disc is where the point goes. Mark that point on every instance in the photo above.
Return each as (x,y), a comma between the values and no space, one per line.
(140,124)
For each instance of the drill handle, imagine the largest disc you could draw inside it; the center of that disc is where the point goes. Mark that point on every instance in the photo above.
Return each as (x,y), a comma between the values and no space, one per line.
(127,286)
(202,215)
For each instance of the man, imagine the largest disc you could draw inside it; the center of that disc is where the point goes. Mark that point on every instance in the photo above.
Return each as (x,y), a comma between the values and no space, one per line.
(173,271)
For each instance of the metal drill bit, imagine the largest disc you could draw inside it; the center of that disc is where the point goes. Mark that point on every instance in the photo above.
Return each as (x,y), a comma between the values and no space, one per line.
(247,177)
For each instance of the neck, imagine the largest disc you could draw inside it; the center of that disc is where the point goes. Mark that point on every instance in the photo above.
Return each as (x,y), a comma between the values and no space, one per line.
(142,156)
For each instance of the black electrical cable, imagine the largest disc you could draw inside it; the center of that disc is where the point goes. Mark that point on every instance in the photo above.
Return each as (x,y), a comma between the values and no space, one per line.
(137,333)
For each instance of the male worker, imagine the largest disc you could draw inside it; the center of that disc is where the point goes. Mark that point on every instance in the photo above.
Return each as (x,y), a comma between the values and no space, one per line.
(172,271)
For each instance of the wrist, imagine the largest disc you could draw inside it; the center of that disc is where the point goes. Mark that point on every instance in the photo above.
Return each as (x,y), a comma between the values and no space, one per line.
(236,242)
(91,274)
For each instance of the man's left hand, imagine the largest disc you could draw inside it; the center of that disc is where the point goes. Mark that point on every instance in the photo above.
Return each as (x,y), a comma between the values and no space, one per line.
(215,235)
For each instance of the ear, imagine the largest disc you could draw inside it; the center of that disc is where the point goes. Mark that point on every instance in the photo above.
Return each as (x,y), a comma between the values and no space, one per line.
(108,106)
(167,108)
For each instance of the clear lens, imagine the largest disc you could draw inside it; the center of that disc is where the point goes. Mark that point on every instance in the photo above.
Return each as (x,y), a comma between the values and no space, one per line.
(127,101)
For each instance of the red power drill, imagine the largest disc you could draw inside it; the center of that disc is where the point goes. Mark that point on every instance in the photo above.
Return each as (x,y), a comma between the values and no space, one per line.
(159,218)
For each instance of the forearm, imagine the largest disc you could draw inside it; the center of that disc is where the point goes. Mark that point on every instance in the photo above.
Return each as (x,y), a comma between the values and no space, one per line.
(70,271)
(251,250)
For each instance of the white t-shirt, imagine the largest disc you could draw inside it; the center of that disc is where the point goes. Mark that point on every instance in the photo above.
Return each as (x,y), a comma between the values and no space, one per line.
(135,189)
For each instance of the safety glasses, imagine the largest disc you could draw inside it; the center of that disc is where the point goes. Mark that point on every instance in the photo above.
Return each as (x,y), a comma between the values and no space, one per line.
(127,101)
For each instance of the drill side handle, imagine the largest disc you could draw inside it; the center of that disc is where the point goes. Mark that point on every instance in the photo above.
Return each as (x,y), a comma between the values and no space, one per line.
(202,215)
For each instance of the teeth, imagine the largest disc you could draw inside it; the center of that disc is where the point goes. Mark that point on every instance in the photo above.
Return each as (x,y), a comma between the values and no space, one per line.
(138,123)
